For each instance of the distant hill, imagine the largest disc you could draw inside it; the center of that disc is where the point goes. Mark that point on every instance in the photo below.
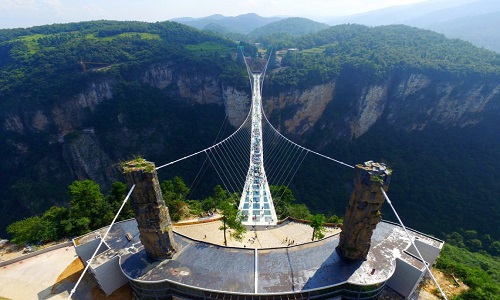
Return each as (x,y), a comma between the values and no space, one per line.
(290,26)
(475,21)
(400,14)
(474,9)
(240,24)
(481,30)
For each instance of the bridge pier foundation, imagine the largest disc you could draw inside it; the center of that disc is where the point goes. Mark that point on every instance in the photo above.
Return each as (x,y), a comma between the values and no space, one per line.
(364,210)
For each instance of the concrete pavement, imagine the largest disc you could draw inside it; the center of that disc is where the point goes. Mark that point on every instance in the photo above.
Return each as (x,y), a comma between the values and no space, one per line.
(275,236)
(34,277)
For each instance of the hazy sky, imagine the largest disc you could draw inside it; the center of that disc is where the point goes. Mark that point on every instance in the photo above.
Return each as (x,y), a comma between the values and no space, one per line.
(26,13)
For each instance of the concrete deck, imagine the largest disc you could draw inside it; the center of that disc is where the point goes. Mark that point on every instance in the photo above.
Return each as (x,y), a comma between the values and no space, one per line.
(260,268)
(275,236)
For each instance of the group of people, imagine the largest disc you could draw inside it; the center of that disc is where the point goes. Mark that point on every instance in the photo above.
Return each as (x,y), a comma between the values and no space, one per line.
(206,214)
(288,241)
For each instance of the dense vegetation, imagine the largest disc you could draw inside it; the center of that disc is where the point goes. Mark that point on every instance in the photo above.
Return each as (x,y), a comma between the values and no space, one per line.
(41,67)
(480,272)
(35,58)
(292,27)
(374,53)
(89,210)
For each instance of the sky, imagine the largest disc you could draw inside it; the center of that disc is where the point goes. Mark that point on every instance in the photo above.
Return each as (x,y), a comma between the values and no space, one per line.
(27,13)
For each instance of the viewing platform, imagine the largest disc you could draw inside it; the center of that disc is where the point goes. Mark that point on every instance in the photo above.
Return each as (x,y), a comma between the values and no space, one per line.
(268,265)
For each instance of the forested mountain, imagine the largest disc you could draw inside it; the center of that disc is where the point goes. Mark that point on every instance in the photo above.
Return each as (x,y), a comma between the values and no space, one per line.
(470,20)
(250,27)
(239,24)
(290,26)
(60,83)
(412,93)
(481,30)
(76,99)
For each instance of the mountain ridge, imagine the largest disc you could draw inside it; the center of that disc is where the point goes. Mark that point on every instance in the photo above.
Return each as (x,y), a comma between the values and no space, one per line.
(335,95)
(244,23)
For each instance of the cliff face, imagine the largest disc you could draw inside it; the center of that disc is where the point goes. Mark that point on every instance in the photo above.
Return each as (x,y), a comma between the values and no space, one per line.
(85,158)
(74,113)
(306,106)
(58,142)
(409,102)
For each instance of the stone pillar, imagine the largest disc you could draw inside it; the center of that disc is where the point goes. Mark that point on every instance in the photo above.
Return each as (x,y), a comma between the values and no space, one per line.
(151,213)
(364,210)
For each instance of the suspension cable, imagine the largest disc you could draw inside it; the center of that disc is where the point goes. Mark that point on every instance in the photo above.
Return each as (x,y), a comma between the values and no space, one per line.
(100,243)
(263,74)
(309,150)
(413,243)
(249,72)
(204,150)
(204,162)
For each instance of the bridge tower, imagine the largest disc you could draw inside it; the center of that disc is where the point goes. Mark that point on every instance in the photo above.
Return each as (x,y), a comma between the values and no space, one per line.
(364,210)
(256,203)
(151,213)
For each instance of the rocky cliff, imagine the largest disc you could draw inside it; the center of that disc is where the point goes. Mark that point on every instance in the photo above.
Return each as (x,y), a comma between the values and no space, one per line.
(407,101)
(68,139)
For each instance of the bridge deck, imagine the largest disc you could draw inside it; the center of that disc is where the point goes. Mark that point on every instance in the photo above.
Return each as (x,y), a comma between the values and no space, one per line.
(256,203)
(284,269)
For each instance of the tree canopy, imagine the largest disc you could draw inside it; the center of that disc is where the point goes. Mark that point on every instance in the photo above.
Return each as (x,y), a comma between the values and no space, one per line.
(32,56)
(375,52)
(317,223)
(88,210)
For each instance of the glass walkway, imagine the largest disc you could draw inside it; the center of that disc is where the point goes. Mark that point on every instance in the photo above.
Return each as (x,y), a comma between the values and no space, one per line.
(256,203)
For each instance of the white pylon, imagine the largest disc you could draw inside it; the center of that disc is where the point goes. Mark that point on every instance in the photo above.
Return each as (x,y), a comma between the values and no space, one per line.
(256,203)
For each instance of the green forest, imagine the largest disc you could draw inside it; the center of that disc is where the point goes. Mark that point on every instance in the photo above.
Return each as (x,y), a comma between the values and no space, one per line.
(478,270)
(443,181)
(85,210)
(39,60)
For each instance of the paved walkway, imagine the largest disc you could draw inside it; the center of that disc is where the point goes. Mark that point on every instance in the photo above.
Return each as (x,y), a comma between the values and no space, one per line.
(275,236)
(34,277)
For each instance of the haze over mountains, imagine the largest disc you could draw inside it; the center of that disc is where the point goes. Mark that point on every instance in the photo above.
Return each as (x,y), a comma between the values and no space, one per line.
(475,21)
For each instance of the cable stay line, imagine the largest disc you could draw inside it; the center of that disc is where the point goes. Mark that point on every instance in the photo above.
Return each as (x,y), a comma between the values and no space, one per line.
(293,176)
(225,168)
(240,164)
(195,182)
(208,148)
(228,169)
(249,72)
(292,167)
(220,177)
(280,163)
(309,150)
(413,243)
(230,159)
(100,243)
(263,73)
